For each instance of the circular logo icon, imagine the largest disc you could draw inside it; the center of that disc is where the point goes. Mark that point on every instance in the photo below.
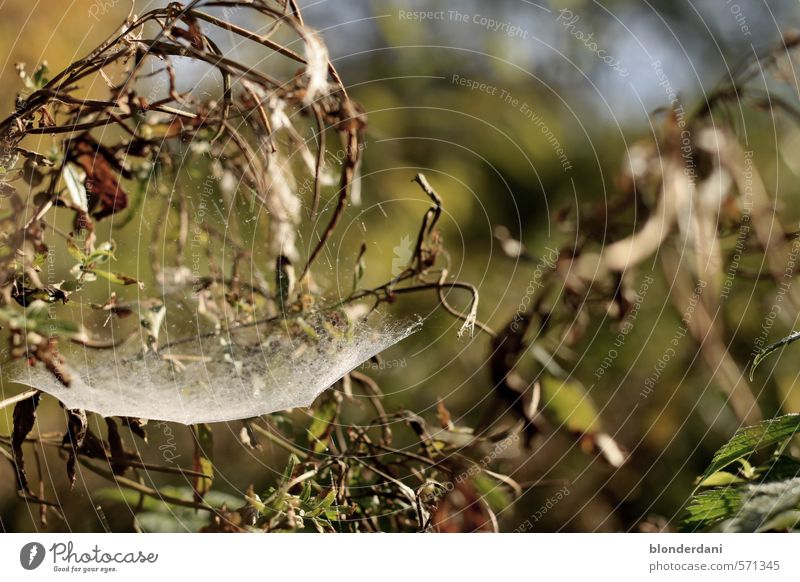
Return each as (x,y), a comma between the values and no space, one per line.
(31,555)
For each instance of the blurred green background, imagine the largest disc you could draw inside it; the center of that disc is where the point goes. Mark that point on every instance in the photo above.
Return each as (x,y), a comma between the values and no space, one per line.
(471,107)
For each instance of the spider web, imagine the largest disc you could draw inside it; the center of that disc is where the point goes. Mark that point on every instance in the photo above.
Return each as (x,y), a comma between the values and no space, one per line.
(242,373)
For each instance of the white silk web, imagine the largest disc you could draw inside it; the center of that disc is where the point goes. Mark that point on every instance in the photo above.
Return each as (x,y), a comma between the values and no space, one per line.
(243,373)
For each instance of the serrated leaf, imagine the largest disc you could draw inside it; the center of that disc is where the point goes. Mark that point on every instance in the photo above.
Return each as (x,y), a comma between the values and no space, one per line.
(764,504)
(750,439)
(710,507)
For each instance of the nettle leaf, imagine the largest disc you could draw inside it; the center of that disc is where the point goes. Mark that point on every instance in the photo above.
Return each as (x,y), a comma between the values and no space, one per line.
(765,507)
(35,81)
(763,498)
(708,508)
(750,439)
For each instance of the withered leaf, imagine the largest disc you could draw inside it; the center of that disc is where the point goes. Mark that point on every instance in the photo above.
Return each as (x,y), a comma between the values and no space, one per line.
(247,435)
(118,455)
(105,196)
(461,511)
(7,190)
(193,34)
(24,419)
(137,426)
(77,426)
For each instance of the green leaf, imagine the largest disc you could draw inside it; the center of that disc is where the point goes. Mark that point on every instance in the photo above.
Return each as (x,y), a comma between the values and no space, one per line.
(750,439)
(103,253)
(492,492)
(320,430)
(778,469)
(760,356)
(786,521)
(118,278)
(764,506)
(39,77)
(360,269)
(57,327)
(37,310)
(75,252)
(274,498)
(710,507)
(290,466)
(71,286)
(75,187)
(721,479)
(568,405)
(325,506)
(202,461)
